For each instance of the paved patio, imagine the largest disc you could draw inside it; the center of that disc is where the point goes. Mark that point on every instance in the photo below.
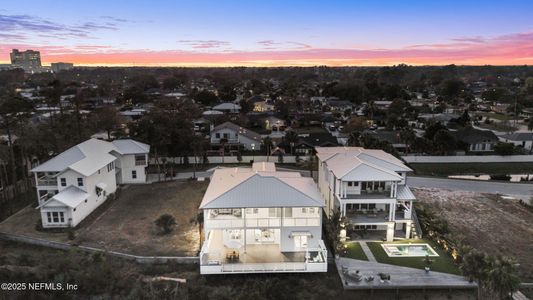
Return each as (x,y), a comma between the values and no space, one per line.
(264,253)
(401,277)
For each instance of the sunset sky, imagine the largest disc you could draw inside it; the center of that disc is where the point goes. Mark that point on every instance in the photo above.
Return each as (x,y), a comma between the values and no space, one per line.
(270,33)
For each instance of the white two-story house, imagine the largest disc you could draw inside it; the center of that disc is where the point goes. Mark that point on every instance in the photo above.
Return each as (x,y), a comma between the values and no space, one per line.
(260,220)
(235,136)
(74,183)
(368,186)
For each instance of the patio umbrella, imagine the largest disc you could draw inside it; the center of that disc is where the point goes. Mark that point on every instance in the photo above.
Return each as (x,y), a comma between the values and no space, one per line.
(234,244)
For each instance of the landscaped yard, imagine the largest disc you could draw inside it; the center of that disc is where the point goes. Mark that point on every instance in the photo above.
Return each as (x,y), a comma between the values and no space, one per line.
(442,263)
(354,250)
(128,225)
(486,222)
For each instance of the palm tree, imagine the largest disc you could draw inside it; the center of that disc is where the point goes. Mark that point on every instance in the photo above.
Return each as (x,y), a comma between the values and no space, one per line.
(165,222)
(502,276)
(267,144)
(291,137)
(407,135)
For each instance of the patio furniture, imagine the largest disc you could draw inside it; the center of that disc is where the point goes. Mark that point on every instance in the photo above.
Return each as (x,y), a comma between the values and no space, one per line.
(369,278)
(232,256)
(354,276)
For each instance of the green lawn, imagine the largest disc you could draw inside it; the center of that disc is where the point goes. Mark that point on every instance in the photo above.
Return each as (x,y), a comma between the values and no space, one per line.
(442,263)
(434,169)
(355,251)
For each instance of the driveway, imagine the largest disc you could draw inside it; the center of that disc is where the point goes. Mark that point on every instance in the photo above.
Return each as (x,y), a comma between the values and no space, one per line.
(518,190)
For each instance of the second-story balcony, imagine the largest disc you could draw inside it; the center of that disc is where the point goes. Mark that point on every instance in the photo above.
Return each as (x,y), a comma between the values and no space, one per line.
(378,194)
(46,181)
(140,162)
(261,217)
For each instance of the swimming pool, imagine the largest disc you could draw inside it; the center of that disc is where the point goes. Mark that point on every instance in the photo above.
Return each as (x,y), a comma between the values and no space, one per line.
(408,250)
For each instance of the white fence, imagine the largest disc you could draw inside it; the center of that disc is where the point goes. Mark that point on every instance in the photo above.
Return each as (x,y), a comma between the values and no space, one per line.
(230,159)
(468,159)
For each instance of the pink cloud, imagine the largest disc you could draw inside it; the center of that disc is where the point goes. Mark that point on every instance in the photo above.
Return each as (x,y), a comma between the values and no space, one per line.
(502,50)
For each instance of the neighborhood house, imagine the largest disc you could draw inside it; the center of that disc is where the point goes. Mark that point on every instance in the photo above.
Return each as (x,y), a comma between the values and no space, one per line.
(74,183)
(368,187)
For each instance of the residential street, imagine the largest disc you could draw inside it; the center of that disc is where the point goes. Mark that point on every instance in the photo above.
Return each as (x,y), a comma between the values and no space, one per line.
(524,191)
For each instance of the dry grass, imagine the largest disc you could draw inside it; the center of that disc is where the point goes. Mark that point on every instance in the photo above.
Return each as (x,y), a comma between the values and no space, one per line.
(24,223)
(128,226)
(486,222)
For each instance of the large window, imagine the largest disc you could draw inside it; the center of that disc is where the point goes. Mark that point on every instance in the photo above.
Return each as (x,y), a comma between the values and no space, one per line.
(274,212)
(55,217)
(288,212)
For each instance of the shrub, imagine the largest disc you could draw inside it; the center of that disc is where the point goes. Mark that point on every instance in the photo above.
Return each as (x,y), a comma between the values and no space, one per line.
(165,223)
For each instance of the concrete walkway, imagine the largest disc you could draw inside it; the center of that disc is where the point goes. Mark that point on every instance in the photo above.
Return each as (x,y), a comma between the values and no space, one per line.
(400,277)
(367,252)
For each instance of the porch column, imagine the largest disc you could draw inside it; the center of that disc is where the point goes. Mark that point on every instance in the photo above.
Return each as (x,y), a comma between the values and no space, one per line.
(408,229)
(344,210)
(345,189)
(390,232)
(392,189)
(244,228)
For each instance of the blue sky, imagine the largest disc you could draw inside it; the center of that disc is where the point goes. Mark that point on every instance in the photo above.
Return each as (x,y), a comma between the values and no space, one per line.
(98,29)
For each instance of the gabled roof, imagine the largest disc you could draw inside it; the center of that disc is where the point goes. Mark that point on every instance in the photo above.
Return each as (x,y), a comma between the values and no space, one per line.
(361,164)
(90,156)
(472,135)
(246,187)
(241,130)
(131,147)
(350,167)
(71,196)
(227,106)
(519,136)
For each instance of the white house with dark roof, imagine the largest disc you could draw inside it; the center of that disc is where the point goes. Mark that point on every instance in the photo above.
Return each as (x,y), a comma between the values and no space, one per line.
(519,139)
(74,183)
(260,220)
(368,186)
(235,136)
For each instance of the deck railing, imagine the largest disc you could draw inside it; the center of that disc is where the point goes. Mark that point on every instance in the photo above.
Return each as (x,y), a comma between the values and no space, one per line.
(46,181)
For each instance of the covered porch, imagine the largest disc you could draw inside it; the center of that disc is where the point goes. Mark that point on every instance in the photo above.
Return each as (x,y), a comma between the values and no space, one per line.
(221,256)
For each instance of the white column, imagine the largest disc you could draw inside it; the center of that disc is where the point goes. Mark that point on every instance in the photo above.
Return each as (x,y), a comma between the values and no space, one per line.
(244,228)
(390,232)
(392,189)
(408,230)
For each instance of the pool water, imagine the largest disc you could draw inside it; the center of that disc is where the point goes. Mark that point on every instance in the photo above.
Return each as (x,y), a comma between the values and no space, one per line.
(409,250)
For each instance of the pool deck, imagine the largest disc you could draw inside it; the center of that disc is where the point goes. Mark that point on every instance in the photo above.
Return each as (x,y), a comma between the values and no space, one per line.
(401,277)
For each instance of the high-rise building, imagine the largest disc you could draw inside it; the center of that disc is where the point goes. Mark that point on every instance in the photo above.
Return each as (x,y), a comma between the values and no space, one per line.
(28,60)
(61,66)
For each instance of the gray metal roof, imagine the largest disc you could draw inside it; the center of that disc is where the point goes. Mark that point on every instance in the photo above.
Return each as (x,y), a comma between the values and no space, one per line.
(404,193)
(90,156)
(246,188)
(70,196)
(131,147)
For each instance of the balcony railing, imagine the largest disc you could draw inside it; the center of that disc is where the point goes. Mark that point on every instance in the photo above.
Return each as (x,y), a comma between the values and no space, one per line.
(45,181)
(140,162)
